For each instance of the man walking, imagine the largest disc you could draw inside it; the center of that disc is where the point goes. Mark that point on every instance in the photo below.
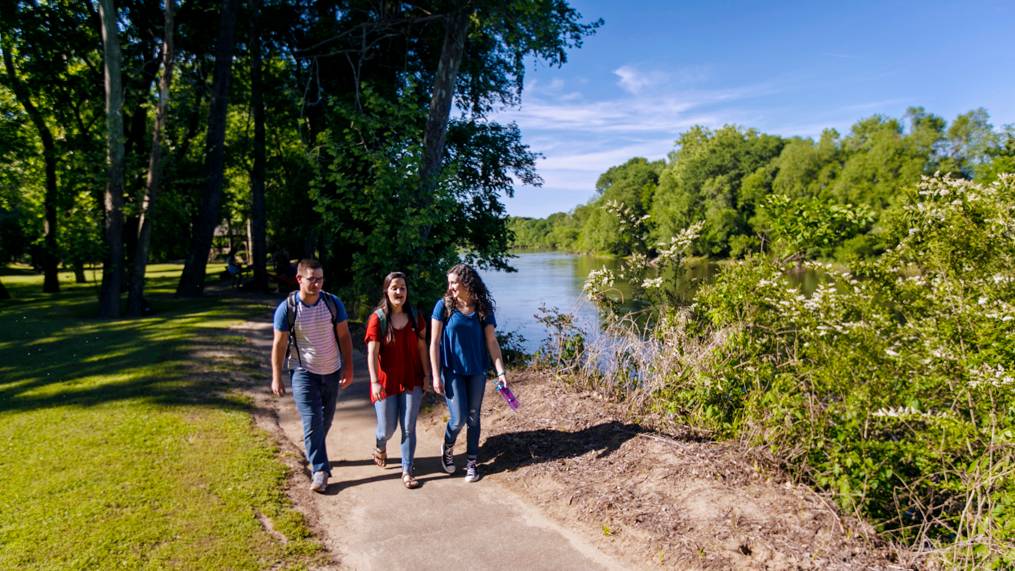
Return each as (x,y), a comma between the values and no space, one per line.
(312,330)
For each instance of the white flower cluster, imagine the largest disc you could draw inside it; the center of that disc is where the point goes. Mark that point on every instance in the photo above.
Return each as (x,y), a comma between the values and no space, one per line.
(996,376)
(652,283)
(907,412)
(679,243)
(625,216)
(598,283)
(899,412)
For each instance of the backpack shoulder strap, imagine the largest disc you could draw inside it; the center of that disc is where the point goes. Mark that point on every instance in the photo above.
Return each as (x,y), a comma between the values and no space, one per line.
(332,304)
(329,300)
(414,321)
(291,309)
(382,320)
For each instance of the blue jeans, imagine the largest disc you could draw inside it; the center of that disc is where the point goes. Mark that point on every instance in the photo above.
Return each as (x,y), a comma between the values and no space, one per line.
(399,409)
(316,397)
(464,395)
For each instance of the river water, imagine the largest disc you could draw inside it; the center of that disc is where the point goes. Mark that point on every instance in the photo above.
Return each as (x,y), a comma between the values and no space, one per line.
(550,279)
(554,280)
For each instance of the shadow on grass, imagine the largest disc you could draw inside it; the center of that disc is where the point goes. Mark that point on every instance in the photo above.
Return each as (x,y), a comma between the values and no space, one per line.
(54,353)
(513,450)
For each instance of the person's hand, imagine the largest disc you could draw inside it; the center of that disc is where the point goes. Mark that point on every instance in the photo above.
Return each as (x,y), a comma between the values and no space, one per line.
(376,390)
(346,380)
(501,378)
(277,388)
(438,385)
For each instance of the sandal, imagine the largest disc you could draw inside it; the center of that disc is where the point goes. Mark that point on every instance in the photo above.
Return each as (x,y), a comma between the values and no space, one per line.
(380,457)
(409,481)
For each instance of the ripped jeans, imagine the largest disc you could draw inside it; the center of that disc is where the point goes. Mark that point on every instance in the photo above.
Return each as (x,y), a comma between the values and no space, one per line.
(464,395)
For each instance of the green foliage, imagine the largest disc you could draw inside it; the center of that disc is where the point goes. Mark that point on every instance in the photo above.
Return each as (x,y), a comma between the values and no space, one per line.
(703,180)
(807,227)
(730,180)
(512,348)
(564,345)
(82,233)
(890,385)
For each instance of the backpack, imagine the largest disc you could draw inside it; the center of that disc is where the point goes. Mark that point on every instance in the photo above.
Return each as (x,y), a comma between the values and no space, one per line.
(292,308)
(413,321)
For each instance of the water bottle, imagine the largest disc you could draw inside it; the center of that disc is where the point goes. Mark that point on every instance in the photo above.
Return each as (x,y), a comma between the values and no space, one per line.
(509,396)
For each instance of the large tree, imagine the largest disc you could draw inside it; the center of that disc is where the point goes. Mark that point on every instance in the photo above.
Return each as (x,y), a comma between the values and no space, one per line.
(207,217)
(257,205)
(112,267)
(135,298)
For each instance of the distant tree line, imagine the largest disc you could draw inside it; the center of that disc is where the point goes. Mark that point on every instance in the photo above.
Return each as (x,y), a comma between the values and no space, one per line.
(741,184)
(358,132)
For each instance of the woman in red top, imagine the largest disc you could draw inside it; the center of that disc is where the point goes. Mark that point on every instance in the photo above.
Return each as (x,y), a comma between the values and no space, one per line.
(399,366)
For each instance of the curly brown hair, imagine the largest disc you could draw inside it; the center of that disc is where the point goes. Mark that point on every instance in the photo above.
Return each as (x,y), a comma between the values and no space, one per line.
(481,298)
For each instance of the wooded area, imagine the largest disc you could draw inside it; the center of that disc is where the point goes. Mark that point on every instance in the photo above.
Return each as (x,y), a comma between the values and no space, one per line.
(356,132)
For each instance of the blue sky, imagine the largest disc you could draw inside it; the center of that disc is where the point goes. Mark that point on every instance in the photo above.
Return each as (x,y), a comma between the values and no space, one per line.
(656,68)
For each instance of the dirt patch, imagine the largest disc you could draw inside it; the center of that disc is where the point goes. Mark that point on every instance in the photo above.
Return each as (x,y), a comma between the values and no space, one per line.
(657,500)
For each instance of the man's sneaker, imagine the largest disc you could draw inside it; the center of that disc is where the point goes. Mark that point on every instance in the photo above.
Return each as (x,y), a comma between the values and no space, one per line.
(470,471)
(447,458)
(319,483)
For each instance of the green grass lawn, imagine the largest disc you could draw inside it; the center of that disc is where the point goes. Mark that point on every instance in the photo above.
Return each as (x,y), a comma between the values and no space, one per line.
(114,453)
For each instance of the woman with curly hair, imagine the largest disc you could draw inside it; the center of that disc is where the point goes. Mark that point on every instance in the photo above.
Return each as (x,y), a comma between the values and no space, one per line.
(398,365)
(462,345)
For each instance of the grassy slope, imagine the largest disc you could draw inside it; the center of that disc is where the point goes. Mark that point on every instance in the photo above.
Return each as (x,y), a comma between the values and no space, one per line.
(114,453)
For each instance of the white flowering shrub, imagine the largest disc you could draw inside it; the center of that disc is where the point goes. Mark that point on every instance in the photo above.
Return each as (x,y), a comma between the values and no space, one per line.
(890,385)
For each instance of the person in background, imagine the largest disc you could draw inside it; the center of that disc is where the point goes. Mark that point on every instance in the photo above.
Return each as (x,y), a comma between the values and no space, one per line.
(312,329)
(399,368)
(463,342)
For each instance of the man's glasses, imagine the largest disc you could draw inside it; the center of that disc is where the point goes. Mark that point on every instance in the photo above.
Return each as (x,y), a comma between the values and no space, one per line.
(313,280)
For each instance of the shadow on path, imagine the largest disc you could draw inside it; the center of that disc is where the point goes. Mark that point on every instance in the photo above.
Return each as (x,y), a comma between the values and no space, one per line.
(512,450)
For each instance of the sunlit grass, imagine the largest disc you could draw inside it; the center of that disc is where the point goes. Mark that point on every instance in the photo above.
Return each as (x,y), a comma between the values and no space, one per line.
(115,452)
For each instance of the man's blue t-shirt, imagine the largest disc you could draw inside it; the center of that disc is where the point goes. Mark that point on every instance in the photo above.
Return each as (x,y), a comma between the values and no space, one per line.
(315,335)
(463,343)
(282,325)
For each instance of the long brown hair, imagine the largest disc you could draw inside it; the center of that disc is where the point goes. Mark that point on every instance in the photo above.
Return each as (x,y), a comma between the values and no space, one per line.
(385,306)
(477,289)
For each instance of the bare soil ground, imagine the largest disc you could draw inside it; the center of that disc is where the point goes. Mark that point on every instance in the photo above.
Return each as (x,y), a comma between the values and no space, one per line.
(655,500)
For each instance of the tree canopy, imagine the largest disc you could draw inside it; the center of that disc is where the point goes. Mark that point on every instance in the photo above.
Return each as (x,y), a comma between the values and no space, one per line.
(824,198)
(378,149)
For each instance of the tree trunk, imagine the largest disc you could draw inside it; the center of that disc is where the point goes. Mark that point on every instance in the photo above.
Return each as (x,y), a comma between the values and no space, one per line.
(137,127)
(79,273)
(192,280)
(259,255)
(112,268)
(4,294)
(457,26)
(50,259)
(135,299)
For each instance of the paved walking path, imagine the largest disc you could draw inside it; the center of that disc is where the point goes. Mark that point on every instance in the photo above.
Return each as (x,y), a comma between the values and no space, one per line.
(372,522)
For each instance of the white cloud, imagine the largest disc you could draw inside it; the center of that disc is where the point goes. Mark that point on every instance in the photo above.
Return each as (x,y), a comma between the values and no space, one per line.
(580,137)
(665,113)
(634,81)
